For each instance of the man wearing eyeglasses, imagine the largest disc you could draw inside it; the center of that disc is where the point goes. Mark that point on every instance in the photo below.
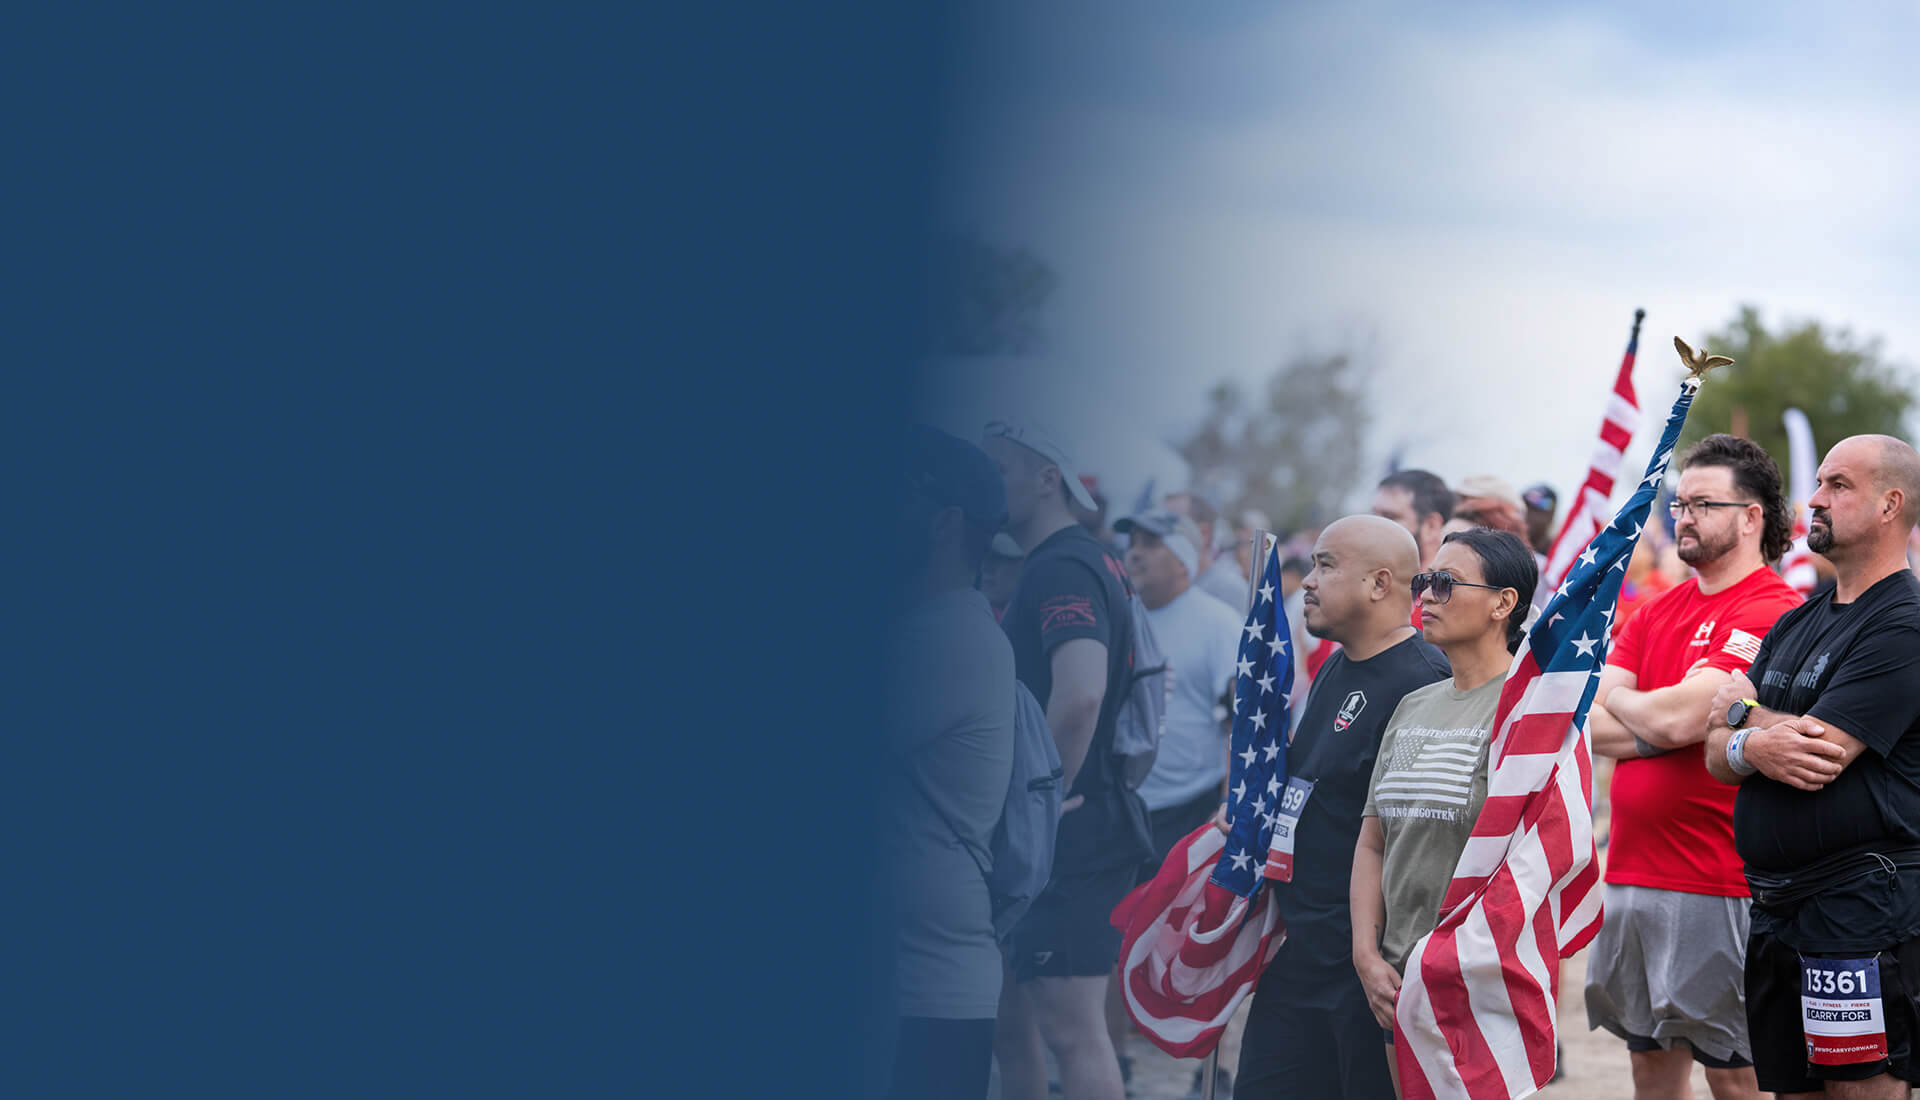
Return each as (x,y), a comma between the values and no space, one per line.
(1665,971)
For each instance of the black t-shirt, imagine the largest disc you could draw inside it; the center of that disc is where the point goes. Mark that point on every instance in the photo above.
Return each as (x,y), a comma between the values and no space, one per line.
(1071,587)
(1856,665)
(1336,740)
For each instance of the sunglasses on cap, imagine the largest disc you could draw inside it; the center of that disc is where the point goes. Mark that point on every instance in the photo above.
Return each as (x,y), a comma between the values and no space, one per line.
(1442,583)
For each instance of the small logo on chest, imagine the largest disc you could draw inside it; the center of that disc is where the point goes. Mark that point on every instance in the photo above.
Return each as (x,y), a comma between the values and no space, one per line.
(1812,675)
(1350,710)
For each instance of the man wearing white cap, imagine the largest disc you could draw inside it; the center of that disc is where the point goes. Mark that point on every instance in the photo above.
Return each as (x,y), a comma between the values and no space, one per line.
(1072,635)
(1199,635)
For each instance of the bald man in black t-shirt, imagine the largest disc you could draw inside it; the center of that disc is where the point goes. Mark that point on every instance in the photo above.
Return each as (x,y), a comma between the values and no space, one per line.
(1310,1033)
(1823,737)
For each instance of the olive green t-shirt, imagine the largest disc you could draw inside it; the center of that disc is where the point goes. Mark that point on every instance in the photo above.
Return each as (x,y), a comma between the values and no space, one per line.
(1429,782)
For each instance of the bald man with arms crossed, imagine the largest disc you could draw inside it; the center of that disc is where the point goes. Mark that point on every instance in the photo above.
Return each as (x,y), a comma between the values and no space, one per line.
(1310,1033)
(1823,738)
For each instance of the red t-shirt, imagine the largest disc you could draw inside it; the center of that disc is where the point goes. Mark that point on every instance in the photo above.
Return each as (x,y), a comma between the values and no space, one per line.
(1672,823)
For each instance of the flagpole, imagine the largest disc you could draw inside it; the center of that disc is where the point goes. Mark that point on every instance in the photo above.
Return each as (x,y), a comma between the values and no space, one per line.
(1210,1068)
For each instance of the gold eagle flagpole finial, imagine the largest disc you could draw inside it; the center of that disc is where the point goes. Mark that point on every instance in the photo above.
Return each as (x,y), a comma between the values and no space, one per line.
(1699,362)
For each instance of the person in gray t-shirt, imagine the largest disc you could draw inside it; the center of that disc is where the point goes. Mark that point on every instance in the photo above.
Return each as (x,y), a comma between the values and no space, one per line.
(1430,777)
(948,702)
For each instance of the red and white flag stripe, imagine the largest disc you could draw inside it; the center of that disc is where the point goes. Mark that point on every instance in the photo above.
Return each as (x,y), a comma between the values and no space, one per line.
(1475,1015)
(1588,511)
(1191,951)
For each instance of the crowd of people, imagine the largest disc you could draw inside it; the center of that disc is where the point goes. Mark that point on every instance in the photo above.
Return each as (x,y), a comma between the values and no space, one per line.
(1759,752)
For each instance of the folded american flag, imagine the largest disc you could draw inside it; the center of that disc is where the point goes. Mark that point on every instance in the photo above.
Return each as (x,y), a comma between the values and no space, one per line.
(1475,1017)
(1196,937)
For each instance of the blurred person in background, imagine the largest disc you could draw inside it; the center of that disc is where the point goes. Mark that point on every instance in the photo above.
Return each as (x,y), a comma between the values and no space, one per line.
(1643,581)
(1071,626)
(1293,570)
(949,705)
(1200,637)
(1488,501)
(1093,517)
(1542,503)
(1000,573)
(1251,520)
(1418,501)
(1218,576)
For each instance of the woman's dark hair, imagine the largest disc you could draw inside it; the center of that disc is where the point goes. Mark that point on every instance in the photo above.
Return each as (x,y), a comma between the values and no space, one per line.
(1755,474)
(1508,563)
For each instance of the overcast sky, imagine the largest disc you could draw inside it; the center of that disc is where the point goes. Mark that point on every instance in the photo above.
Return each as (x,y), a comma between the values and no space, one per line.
(1481,194)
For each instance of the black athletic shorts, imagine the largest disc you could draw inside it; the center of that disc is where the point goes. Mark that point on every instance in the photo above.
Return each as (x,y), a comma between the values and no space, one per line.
(1645,1043)
(1069,932)
(1774,1022)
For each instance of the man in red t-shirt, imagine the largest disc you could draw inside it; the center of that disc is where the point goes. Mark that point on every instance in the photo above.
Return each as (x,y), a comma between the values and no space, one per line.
(1667,969)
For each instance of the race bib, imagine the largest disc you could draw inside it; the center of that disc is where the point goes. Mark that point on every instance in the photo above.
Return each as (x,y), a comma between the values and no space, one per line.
(1840,1011)
(1286,828)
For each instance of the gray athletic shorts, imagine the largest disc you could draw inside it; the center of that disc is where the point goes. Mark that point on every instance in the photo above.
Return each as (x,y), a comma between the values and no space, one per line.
(1668,966)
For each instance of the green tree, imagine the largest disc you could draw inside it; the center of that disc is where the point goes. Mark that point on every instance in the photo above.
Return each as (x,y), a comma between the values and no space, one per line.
(1842,383)
(1272,451)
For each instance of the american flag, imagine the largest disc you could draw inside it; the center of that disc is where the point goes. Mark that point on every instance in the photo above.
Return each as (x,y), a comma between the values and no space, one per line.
(1475,1017)
(1196,937)
(1589,507)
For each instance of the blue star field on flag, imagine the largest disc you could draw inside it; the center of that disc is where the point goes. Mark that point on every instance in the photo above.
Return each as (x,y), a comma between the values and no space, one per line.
(1261,717)
(1574,628)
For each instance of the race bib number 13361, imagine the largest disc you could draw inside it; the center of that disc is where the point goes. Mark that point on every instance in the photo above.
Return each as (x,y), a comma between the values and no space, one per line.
(1841,1011)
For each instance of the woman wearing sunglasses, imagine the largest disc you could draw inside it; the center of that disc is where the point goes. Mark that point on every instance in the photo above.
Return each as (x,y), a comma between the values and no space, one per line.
(1430,777)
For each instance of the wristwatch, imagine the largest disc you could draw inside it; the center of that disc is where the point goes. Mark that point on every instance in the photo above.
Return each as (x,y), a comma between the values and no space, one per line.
(1737,713)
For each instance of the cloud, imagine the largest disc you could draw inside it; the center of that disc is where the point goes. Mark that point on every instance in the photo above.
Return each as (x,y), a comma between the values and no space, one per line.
(1486,195)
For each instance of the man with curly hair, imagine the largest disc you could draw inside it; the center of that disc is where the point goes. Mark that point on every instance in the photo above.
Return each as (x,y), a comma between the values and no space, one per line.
(1666,970)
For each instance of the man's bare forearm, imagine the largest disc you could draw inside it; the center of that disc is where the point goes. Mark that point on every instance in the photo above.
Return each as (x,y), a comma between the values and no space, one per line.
(1608,736)
(1073,723)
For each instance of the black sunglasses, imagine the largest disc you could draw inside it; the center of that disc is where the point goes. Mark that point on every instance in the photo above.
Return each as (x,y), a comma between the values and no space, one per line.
(1442,583)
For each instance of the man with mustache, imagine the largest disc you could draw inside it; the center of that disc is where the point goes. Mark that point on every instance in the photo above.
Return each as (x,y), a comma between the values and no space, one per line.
(1666,968)
(1824,743)
(1310,1033)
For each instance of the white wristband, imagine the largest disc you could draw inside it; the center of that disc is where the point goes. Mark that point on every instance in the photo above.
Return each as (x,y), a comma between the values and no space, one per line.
(1737,753)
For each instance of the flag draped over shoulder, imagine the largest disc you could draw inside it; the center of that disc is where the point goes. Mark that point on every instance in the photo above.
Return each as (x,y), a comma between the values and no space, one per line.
(1475,1017)
(1195,937)
(1588,509)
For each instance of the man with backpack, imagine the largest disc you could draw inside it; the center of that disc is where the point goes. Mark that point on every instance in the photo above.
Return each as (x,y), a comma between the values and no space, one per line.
(1073,634)
(951,710)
